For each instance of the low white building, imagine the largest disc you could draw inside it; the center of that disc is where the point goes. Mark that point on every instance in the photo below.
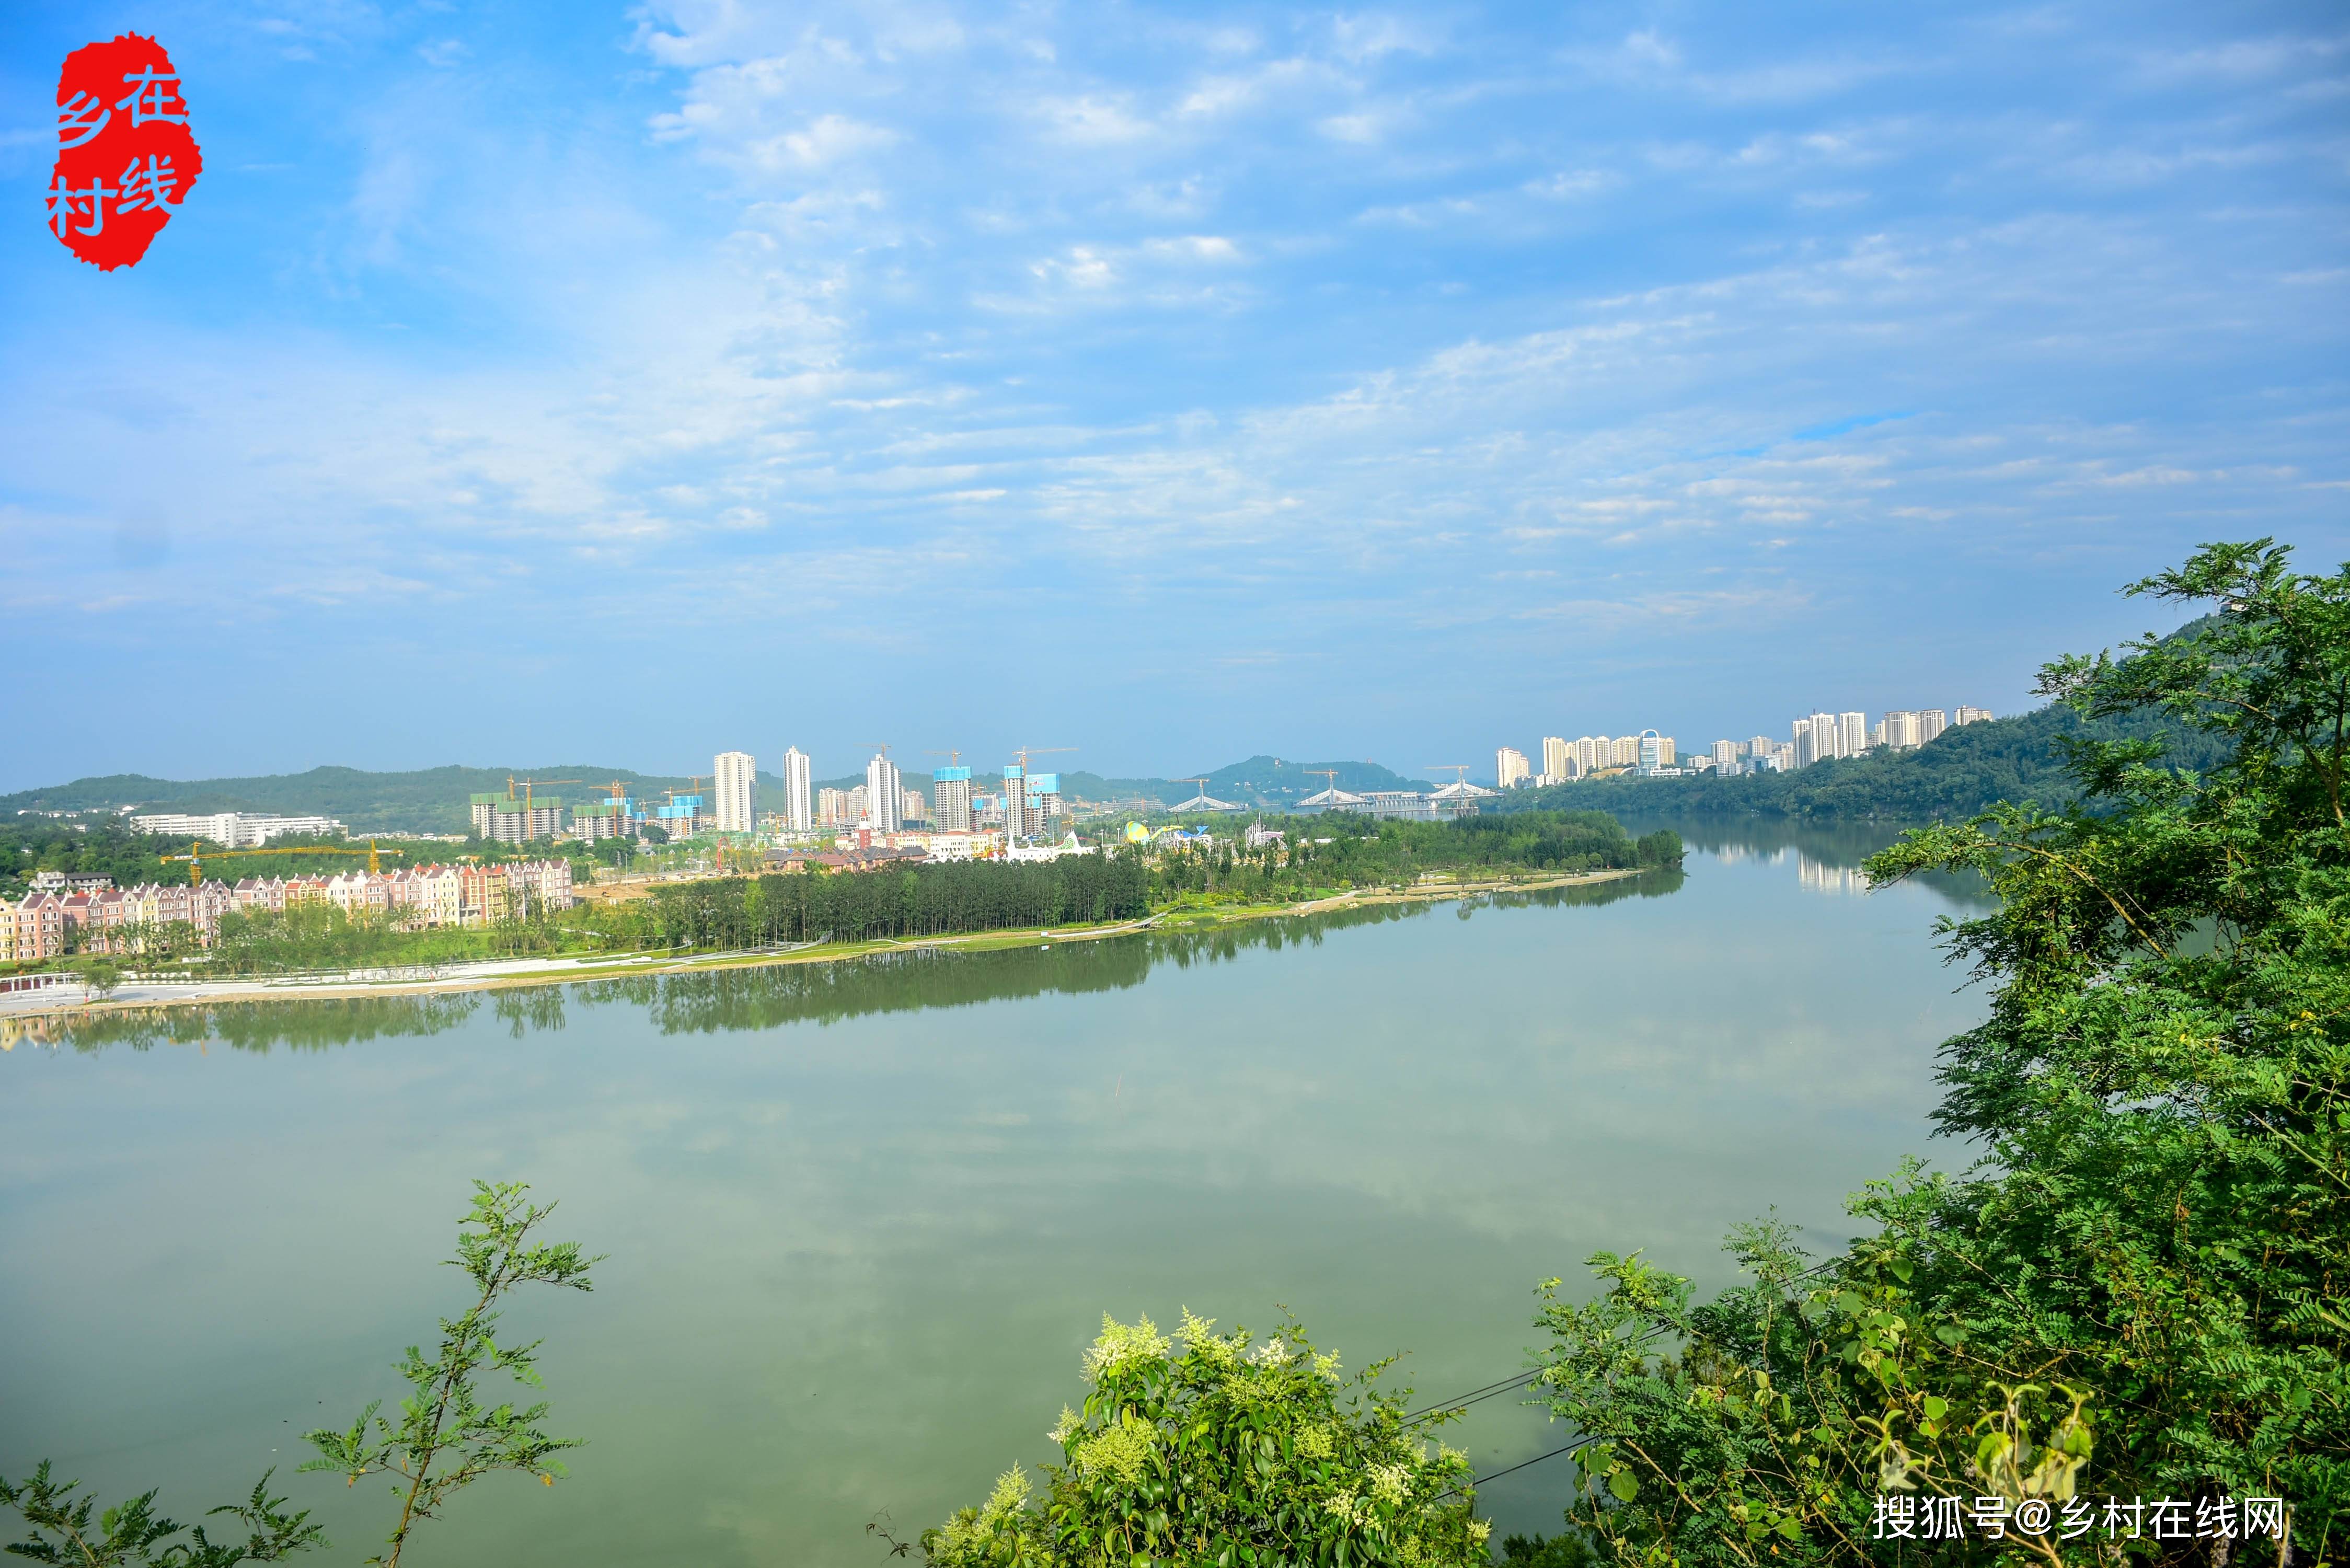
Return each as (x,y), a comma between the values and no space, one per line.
(1069,846)
(236,829)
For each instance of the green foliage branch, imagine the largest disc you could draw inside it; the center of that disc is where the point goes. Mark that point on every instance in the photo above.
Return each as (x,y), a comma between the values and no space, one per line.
(1221,1449)
(133,1535)
(448,1436)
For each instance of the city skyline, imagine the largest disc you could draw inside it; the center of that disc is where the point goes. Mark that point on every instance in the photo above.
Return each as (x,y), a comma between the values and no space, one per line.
(1244,372)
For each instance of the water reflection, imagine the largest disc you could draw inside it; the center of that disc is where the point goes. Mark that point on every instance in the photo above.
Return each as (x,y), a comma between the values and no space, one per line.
(1822,857)
(309,1023)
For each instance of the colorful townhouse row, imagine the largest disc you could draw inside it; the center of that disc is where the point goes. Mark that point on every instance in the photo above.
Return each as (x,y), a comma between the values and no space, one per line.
(44,925)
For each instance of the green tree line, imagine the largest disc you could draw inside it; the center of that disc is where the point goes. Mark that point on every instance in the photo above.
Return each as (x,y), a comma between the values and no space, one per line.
(1340,850)
(920,900)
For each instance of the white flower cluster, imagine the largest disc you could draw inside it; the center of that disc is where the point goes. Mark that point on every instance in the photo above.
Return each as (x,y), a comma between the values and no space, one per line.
(1388,1482)
(1199,1336)
(1010,1496)
(1120,1345)
(1271,1352)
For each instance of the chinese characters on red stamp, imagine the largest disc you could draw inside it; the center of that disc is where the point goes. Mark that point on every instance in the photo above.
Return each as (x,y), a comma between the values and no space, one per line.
(126,158)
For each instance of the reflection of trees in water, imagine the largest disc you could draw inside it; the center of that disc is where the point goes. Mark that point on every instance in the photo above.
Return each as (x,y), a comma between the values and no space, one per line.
(769,996)
(309,1024)
(1823,857)
(529,1007)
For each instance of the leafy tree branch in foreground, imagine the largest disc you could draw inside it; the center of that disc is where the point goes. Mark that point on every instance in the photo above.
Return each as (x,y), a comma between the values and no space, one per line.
(447,1437)
(1219,1448)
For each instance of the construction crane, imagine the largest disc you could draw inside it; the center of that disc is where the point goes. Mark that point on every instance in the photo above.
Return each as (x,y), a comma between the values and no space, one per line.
(1459,770)
(952,755)
(1026,752)
(196,855)
(526,783)
(1330,774)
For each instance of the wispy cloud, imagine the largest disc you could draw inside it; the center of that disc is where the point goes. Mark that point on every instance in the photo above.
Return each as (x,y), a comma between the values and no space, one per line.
(868,334)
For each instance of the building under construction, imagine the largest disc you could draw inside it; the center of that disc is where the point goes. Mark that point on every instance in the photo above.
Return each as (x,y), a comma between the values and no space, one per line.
(505,820)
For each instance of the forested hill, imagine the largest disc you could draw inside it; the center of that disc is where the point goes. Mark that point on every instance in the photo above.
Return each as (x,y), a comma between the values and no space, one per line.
(1958,773)
(429,800)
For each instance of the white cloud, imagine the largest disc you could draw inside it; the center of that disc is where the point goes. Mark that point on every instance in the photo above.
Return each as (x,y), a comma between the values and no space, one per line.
(827,139)
(1572,184)
(1091,120)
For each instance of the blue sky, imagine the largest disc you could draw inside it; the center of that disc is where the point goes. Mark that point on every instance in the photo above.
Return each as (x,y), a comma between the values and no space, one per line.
(634,382)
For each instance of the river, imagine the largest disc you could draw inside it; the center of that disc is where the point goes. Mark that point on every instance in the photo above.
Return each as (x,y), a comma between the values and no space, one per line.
(861,1218)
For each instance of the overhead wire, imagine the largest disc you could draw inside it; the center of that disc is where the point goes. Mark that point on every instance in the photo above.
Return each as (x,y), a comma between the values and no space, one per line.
(1495,1390)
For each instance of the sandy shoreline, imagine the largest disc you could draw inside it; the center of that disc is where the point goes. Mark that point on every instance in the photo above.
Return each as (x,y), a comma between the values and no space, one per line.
(502,974)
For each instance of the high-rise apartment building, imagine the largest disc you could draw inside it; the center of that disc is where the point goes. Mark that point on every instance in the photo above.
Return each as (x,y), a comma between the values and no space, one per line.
(1973,715)
(1556,755)
(1624,751)
(1511,767)
(1817,737)
(736,787)
(950,791)
(1852,734)
(1044,802)
(799,808)
(1930,724)
(1901,729)
(885,800)
(1016,822)
(510,820)
(832,808)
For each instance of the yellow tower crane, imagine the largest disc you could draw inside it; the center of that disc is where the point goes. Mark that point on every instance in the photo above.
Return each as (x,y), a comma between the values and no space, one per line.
(197,855)
(526,785)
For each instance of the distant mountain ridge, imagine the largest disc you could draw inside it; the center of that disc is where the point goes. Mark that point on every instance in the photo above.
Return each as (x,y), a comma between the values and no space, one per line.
(434,800)
(1961,772)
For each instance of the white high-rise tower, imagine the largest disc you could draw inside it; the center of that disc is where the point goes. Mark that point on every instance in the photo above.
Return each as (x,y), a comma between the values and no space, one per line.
(885,797)
(800,800)
(737,789)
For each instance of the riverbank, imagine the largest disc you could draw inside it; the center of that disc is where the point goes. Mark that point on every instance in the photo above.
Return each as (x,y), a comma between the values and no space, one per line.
(504,974)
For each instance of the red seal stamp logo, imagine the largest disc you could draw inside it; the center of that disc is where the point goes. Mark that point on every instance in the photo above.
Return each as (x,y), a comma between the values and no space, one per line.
(126,159)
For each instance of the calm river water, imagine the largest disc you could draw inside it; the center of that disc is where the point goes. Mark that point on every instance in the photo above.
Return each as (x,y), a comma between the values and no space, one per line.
(862,1218)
